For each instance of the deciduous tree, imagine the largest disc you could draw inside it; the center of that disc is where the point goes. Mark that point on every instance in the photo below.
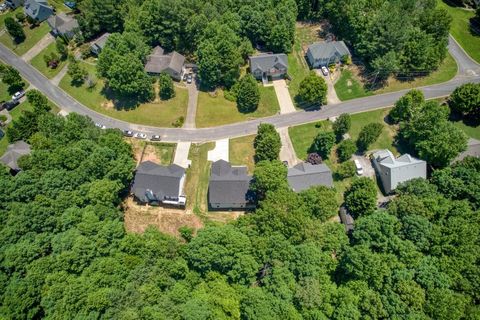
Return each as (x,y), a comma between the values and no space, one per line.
(165,83)
(346,149)
(267,143)
(361,197)
(342,125)
(323,144)
(14,29)
(368,135)
(313,89)
(466,99)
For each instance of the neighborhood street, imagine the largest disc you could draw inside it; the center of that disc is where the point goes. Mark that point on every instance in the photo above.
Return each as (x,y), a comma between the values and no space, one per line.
(469,71)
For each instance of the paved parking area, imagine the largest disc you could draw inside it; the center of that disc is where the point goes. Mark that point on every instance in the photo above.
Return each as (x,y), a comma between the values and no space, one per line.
(181,154)
(283,96)
(220,152)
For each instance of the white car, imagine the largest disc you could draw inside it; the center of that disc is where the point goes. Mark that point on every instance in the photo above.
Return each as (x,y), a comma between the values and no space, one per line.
(358,166)
(18,95)
(140,135)
(101,126)
(325,71)
(3,7)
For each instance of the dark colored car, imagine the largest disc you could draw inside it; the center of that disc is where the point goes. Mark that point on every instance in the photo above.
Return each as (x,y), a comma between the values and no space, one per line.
(155,137)
(9,105)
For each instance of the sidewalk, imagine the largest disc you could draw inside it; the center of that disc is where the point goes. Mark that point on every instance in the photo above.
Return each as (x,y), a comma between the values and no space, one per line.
(38,47)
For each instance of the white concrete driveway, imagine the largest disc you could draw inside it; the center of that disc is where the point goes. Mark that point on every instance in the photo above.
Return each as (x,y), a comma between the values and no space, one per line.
(220,152)
(332,97)
(39,46)
(287,152)
(283,96)
(181,154)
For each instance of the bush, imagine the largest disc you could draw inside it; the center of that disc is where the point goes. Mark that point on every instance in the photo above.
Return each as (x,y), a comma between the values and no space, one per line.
(167,90)
(345,150)
(186,233)
(14,29)
(466,99)
(179,122)
(368,135)
(62,48)
(314,158)
(323,144)
(20,17)
(76,72)
(346,170)
(3,118)
(342,125)
(52,60)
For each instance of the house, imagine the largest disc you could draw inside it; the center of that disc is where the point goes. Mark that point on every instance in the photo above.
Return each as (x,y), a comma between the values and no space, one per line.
(306,175)
(322,54)
(172,63)
(473,150)
(14,4)
(393,171)
(156,184)
(347,219)
(63,25)
(98,45)
(229,187)
(38,10)
(264,66)
(14,152)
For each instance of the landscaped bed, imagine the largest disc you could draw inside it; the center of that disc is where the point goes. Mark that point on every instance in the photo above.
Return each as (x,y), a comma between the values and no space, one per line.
(39,63)
(157,113)
(32,37)
(216,110)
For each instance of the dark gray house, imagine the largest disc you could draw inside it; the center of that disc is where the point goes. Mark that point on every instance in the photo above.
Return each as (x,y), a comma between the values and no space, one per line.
(473,150)
(98,45)
(63,25)
(264,66)
(393,171)
(155,184)
(322,54)
(229,187)
(38,10)
(172,63)
(13,153)
(306,175)
(14,4)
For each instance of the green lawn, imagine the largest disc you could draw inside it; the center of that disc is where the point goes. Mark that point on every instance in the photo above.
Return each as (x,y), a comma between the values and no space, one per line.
(350,86)
(241,152)
(41,66)
(302,136)
(15,113)
(216,111)
(196,186)
(297,66)
(460,29)
(472,132)
(32,37)
(165,152)
(158,113)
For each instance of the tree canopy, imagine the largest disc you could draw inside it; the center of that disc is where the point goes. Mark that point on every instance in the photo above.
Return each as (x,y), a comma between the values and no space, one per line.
(267,143)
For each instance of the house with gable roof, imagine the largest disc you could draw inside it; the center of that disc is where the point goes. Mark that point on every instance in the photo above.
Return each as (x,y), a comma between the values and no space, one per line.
(63,25)
(38,10)
(172,63)
(14,152)
(393,171)
(306,175)
(98,44)
(268,65)
(322,54)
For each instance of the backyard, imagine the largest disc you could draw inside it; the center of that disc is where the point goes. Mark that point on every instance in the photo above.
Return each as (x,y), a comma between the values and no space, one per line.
(15,113)
(241,152)
(216,110)
(39,63)
(33,35)
(156,113)
(461,29)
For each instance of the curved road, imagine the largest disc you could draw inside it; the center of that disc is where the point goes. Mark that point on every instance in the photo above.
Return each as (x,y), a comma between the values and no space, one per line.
(468,71)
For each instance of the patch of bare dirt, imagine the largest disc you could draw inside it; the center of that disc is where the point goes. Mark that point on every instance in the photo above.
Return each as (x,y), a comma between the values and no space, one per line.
(108,104)
(168,220)
(150,154)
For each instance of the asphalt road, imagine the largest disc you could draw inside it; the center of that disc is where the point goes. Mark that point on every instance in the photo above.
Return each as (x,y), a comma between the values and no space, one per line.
(469,71)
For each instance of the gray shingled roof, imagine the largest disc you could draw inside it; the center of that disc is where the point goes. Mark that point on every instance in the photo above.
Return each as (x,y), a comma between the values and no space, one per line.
(266,62)
(326,50)
(38,9)
(158,61)
(63,23)
(162,181)
(101,41)
(386,158)
(305,175)
(229,184)
(13,153)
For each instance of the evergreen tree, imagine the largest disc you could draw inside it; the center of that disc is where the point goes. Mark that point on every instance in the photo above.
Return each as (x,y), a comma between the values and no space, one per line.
(248,95)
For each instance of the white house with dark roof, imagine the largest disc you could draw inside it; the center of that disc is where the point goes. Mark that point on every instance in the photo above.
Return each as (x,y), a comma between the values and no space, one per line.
(322,54)
(229,187)
(63,25)
(393,171)
(172,63)
(38,10)
(97,45)
(264,66)
(306,175)
(156,184)
(14,152)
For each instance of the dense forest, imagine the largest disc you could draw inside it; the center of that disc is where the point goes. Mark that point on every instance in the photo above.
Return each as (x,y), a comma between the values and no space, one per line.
(64,252)
(398,37)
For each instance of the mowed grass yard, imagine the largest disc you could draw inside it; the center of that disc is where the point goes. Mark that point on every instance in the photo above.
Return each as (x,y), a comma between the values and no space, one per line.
(165,152)
(216,110)
(350,86)
(241,152)
(157,113)
(39,63)
(461,31)
(472,132)
(33,35)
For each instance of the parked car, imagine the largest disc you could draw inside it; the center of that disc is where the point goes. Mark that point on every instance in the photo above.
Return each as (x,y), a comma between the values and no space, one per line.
(185,76)
(155,137)
(18,95)
(9,105)
(358,166)
(127,133)
(325,71)
(189,78)
(3,7)
(140,135)
(101,126)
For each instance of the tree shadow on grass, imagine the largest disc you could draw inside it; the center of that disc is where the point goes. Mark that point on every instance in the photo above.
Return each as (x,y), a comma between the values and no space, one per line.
(306,106)
(122,102)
